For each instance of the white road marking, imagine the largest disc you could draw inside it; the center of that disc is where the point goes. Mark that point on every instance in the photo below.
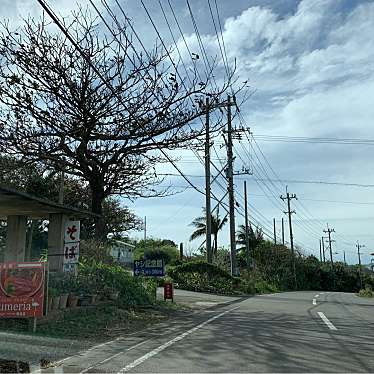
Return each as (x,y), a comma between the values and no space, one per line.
(162,347)
(314,302)
(327,322)
(113,356)
(316,296)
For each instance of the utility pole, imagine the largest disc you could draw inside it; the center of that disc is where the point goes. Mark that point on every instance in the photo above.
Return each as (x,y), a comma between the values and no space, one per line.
(329,231)
(282,231)
(247,249)
(323,248)
(320,250)
(61,189)
(289,197)
(359,246)
(145,229)
(145,236)
(208,222)
(230,177)
(344,258)
(275,232)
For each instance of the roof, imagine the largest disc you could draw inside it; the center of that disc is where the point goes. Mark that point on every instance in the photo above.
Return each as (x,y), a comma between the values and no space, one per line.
(125,244)
(13,202)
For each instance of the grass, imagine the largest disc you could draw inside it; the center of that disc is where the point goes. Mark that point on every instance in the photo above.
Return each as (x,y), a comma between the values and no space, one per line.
(367,292)
(96,323)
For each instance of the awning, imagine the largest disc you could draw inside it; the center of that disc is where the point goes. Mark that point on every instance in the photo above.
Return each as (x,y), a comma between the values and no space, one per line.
(13,202)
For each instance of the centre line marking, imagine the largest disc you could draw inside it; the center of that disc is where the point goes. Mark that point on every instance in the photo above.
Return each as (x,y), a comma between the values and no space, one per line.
(162,347)
(327,322)
(113,356)
(314,302)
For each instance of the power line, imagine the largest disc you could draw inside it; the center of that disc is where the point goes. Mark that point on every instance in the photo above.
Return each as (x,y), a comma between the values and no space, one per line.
(300,139)
(55,19)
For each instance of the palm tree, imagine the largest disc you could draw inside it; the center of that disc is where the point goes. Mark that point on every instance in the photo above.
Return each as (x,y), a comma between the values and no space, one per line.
(255,236)
(200,228)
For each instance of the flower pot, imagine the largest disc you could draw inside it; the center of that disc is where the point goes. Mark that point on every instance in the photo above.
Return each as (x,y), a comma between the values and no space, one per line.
(72,300)
(84,300)
(113,295)
(93,298)
(55,302)
(50,301)
(63,301)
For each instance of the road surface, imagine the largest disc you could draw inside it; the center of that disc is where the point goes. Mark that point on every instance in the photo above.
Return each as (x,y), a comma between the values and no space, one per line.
(286,332)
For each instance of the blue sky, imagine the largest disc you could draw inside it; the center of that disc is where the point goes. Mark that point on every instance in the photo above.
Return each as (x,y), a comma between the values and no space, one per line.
(311,63)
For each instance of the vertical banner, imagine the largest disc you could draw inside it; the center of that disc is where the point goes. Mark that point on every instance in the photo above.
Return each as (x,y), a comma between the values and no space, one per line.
(71,246)
(72,231)
(22,289)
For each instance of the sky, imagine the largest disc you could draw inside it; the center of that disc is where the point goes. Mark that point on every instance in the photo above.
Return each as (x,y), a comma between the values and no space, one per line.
(310,65)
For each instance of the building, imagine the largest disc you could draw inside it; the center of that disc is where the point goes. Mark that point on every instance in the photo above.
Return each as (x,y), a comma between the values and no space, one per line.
(122,252)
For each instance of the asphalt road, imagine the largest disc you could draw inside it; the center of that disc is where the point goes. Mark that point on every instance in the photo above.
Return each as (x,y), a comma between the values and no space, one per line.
(287,332)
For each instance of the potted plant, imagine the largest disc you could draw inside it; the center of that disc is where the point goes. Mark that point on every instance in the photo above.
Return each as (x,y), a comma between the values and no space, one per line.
(113,294)
(72,300)
(55,297)
(72,287)
(63,300)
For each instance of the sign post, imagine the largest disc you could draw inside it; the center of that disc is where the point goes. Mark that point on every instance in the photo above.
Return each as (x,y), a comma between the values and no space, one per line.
(149,268)
(168,291)
(22,289)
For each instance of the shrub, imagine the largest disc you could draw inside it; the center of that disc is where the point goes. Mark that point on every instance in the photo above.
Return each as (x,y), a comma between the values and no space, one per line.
(103,278)
(204,277)
(99,278)
(366,292)
(98,251)
(262,286)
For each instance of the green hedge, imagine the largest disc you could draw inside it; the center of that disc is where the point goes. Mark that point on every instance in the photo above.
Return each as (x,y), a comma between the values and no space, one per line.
(103,278)
(203,277)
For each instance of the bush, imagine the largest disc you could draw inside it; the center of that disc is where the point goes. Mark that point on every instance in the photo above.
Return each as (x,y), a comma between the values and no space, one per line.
(102,279)
(366,292)
(262,286)
(96,250)
(203,277)
(156,249)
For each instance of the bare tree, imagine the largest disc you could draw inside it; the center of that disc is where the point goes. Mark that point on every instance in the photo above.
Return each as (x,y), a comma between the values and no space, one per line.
(56,110)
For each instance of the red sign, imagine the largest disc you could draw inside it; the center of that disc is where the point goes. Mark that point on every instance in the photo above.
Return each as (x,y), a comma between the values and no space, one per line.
(168,291)
(22,289)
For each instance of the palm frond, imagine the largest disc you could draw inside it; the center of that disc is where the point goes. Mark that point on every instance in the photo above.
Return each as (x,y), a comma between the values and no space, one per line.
(197,233)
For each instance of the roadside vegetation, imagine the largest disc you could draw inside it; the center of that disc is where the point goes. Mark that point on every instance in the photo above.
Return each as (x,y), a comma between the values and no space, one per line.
(101,152)
(366,292)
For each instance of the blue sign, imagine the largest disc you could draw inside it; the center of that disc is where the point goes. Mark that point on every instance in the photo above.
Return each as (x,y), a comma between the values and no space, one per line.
(149,268)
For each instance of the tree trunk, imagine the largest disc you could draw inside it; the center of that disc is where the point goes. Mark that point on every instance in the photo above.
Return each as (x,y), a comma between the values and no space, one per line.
(215,244)
(98,197)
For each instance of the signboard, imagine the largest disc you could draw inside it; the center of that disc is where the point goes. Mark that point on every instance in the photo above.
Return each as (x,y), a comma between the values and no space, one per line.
(71,253)
(70,268)
(22,289)
(149,268)
(72,231)
(168,291)
(71,246)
